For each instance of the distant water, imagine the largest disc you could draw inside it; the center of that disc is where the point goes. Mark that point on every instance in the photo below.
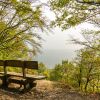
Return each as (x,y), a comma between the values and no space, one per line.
(52,57)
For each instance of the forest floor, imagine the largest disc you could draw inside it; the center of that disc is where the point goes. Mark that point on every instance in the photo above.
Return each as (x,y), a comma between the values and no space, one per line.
(47,90)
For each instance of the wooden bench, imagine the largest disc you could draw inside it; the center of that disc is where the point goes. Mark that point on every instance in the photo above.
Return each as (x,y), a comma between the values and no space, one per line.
(23,78)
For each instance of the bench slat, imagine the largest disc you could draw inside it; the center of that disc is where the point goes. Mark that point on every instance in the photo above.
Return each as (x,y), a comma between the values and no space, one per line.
(31,64)
(2,62)
(37,77)
(14,63)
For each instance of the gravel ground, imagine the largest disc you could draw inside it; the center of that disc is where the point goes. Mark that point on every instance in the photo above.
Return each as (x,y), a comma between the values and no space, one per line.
(46,90)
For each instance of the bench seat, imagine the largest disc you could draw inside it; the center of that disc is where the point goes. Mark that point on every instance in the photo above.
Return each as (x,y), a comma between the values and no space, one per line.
(17,78)
(27,83)
(37,77)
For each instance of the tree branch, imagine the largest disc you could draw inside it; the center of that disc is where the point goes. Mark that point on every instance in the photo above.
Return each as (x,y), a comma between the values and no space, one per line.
(89,2)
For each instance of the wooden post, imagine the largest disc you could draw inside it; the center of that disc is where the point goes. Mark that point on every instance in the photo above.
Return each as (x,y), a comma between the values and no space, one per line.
(5,76)
(24,73)
(23,70)
(5,71)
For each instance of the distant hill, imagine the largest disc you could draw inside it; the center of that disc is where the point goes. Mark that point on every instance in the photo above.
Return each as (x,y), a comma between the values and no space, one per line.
(52,57)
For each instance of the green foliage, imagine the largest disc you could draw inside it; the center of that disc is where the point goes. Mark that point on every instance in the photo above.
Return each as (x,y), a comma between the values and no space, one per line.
(62,72)
(18,22)
(90,1)
(70,13)
(88,69)
(56,74)
(84,74)
(59,3)
(43,70)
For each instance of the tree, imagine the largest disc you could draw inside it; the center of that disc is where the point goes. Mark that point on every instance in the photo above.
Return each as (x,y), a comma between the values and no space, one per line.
(62,72)
(19,21)
(91,39)
(43,70)
(70,13)
(88,69)
(91,2)
(56,73)
(73,12)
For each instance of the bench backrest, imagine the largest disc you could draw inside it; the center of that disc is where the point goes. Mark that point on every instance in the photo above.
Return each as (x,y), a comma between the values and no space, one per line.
(2,62)
(19,63)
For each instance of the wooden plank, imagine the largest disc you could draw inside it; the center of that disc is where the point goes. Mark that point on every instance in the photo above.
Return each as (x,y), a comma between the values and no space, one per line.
(2,62)
(31,64)
(19,63)
(24,73)
(14,63)
(27,75)
(5,70)
(1,73)
(14,74)
(17,80)
(35,77)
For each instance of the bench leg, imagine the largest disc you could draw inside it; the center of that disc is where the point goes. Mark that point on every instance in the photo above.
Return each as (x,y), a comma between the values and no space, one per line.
(20,85)
(29,85)
(32,84)
(25,87)
(5,82)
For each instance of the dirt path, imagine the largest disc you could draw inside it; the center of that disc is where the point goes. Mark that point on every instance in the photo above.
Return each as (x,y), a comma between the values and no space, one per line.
(47,90)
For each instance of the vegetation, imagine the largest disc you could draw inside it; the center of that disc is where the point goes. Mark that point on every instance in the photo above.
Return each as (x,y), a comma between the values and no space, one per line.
(85,73)
(73,12)
(19,39)
(18,24)
(62,72)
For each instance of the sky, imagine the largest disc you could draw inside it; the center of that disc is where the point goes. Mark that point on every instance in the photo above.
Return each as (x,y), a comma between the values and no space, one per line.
(57,45)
